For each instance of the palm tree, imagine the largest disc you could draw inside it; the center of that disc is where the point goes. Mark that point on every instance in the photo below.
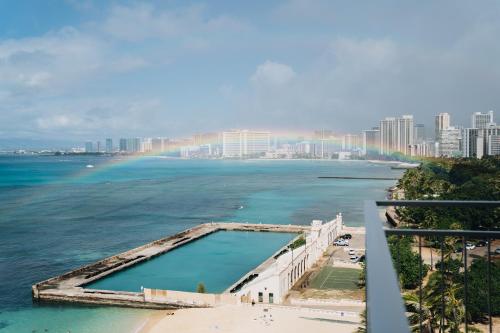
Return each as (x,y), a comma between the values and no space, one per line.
(436,292)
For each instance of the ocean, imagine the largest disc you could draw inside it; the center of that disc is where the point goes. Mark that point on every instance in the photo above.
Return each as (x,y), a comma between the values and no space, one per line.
(58,213)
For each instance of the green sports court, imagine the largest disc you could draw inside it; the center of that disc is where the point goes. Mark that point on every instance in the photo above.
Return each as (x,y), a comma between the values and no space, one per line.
(336,278)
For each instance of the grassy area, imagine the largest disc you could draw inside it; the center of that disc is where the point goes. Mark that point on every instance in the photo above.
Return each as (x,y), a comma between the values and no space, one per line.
(336,278)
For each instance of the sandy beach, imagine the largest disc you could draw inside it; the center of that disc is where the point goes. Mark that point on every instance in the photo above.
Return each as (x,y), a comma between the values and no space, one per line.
(248,319)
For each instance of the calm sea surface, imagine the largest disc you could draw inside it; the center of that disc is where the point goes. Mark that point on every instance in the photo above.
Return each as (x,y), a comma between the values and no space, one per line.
(56,214)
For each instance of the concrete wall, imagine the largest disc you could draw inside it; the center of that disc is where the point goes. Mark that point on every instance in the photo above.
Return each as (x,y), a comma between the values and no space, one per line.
(184,297)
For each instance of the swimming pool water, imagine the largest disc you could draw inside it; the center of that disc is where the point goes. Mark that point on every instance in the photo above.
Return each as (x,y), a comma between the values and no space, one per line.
(217,260)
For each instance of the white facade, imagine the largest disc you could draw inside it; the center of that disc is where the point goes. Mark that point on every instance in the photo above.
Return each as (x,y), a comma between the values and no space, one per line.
(388,136)
(449,142)
(405,134)
(275,280)
(245,143)
(396,135)
(470,138)
(442,123)
(494,145)
(482,120)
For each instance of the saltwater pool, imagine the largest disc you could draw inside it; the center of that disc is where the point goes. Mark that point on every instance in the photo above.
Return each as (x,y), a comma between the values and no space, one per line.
(218,260)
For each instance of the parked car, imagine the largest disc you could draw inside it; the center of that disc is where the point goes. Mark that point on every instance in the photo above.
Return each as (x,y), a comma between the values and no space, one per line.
(351,252)
(497,251)
(470,246)
(346,236)
(341,242)
(481,243)
(354,259)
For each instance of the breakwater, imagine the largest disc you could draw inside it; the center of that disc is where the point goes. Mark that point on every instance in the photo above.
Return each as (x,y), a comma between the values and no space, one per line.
(361,178)
(71,286)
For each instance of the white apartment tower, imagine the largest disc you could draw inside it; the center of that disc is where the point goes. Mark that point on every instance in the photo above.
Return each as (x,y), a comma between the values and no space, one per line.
(396,135)
(245,143)
(388,135)
(405,134)
(442,122)
(482,120)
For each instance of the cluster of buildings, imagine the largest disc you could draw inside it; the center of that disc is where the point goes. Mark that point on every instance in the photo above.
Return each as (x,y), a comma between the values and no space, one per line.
(401,135)
(393,136)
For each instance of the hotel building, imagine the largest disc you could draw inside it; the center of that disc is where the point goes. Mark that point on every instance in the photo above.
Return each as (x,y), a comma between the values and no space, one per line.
(245,143)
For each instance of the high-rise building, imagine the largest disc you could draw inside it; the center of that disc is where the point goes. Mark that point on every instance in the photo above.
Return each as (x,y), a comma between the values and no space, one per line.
(482,120)
(404,134)
(134,145)
(350,142)
(98,146)
(448,143)
(89,147)
(419,134)
(371,142)
(494,145)
(109,145)
(396,135)
(388,136)
(472,139)
(245,143)
(123,145)
(442,122)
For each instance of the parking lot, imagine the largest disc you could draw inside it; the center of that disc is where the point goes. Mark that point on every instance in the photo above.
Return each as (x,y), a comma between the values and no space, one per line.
(340,254)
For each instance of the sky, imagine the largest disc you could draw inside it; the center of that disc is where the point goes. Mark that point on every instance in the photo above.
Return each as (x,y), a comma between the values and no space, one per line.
(85,70)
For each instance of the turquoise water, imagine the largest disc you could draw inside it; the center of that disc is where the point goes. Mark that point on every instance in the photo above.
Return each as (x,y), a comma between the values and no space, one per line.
(218,260)
(56,215)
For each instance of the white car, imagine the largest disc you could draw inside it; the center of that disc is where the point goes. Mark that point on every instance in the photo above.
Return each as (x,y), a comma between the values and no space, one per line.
(354,259)
(351,252)
(497,251)
(470,246)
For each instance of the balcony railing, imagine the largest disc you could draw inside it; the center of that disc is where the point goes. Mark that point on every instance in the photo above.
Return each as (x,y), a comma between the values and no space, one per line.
(385,308)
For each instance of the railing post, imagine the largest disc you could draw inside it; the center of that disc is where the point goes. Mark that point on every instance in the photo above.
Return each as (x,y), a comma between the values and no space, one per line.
(465,284)
(441,326)
(385,308)
(489,285)
(420,284)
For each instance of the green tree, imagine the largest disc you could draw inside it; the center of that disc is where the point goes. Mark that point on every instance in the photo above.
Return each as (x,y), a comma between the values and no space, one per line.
(409,262)
(477,291)
(200,288)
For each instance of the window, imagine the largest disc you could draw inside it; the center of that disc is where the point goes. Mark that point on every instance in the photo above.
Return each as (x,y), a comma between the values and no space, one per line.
(271,298)
(261,297)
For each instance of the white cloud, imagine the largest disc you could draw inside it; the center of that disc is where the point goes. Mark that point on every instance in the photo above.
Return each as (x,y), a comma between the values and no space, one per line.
(144,21)
(272,73)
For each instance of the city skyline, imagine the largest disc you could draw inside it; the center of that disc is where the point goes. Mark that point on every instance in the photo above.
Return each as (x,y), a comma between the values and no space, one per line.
(71,69)
(394,135)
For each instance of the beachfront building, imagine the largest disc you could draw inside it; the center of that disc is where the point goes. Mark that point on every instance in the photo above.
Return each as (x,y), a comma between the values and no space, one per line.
(270,282)
(89,147)
(396,135)
(109,145)
(350,142)
(245,143)
(371,142)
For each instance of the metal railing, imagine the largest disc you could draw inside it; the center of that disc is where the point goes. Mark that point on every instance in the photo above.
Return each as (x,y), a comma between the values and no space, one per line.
(385,308)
